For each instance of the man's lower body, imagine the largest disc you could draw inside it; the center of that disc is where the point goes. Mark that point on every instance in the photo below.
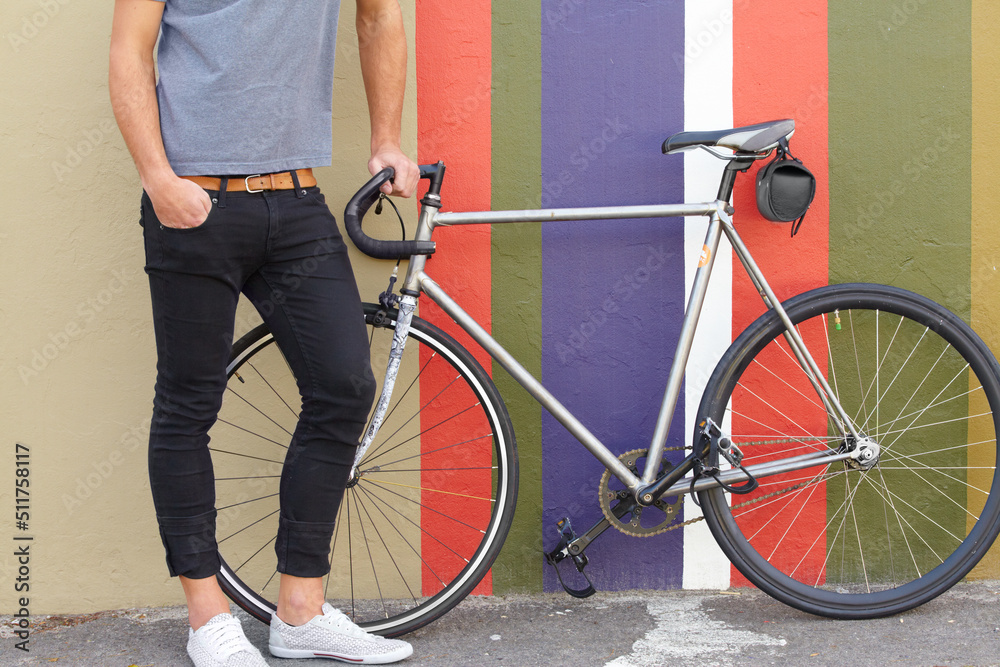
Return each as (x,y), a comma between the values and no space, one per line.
(282,250)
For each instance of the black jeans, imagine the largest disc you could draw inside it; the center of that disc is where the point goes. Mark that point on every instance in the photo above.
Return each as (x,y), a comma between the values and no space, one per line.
(283,251)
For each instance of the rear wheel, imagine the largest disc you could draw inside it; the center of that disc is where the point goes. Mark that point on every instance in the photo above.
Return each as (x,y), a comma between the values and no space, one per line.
(846,540)
(427,514)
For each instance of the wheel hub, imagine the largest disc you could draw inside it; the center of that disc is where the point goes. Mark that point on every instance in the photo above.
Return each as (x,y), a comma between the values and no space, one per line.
(358,474)
(866,454)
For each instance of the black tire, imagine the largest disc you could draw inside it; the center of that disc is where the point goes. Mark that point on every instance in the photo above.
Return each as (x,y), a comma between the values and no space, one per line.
(422,525)
(836,540)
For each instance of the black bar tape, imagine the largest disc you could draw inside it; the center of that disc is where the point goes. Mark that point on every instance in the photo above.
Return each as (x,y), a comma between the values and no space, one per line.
(379,249)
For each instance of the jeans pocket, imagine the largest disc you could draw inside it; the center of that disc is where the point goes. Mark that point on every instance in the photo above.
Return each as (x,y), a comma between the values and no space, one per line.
(148,215)
(190,230)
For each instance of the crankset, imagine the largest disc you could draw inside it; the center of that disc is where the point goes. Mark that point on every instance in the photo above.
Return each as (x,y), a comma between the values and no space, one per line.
(619,506)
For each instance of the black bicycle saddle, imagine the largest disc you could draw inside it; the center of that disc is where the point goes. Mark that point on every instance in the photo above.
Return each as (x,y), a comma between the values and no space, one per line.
(749,139)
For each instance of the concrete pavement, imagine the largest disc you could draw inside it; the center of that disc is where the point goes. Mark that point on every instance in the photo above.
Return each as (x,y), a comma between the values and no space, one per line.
(638,629)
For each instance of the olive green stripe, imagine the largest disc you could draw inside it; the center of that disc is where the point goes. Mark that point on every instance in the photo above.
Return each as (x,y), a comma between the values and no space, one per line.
(516,261)
(900,141)
(900,101)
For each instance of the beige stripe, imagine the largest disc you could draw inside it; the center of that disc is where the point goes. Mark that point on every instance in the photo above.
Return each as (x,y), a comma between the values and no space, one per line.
(985,230)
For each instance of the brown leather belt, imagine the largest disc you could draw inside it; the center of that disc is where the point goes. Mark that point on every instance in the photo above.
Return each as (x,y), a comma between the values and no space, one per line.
(257,182)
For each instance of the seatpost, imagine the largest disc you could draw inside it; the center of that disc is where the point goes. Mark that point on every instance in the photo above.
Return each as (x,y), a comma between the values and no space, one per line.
(729,176)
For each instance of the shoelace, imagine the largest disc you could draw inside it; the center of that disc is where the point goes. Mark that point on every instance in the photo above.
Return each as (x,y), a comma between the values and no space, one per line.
(225,638)
(338,621)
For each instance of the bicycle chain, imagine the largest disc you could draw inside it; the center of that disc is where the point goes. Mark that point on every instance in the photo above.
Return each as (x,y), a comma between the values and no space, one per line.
(614,521)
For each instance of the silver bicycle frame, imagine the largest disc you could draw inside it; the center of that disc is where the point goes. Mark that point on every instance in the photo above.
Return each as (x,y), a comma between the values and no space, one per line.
(719,222)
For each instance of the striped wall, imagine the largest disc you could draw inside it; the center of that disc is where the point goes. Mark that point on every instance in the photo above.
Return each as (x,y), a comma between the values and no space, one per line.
(566,102)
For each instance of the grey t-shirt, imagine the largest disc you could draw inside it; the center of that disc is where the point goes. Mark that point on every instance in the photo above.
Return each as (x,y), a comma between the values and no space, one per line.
(246,86)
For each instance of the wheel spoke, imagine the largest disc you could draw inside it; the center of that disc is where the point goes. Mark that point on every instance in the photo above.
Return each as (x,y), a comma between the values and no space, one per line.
(408,543)
(397,401)
(368,549)
(369,459)
(253,433)
(258,410)
(388,551)
(421,505)
(427,511)
(384,464)
(922,391)
(275,391)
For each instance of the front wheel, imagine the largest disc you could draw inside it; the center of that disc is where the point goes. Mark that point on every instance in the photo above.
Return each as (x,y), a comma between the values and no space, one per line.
(846,540)
(424,518)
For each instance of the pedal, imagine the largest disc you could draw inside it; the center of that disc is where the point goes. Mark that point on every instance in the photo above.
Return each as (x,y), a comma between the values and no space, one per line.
(566,536)
(720,444)
(732,453)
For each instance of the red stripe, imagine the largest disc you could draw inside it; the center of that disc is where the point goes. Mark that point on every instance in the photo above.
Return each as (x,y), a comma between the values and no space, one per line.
(454,70)
(780,71)
(338,657)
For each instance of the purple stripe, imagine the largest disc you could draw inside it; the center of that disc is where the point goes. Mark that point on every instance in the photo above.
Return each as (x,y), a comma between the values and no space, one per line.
(613,293)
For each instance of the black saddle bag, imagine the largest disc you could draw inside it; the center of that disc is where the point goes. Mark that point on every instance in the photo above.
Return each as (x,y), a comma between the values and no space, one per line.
(785,188)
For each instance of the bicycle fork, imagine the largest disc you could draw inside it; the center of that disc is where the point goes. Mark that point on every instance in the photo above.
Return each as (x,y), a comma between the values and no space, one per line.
(407,305)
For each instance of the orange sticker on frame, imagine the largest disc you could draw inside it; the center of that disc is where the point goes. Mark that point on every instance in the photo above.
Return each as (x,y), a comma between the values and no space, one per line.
(706,255)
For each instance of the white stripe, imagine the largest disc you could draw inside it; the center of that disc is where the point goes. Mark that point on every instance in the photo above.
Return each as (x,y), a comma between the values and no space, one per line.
(708,104)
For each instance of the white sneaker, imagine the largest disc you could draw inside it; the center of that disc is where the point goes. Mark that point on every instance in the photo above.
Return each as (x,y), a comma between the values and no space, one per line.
(221,643)
(333,635)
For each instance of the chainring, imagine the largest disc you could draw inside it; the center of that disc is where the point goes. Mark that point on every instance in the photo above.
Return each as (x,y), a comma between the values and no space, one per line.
(640,521)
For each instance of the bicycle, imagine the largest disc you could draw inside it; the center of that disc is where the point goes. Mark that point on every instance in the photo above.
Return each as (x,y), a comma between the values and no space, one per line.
(845,454)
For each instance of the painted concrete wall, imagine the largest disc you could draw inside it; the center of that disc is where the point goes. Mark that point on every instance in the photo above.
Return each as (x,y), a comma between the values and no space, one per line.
(76,339)
(530,103)
(892,102)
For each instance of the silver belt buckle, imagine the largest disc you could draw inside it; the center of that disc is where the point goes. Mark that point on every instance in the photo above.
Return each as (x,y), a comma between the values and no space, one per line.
(246,182)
